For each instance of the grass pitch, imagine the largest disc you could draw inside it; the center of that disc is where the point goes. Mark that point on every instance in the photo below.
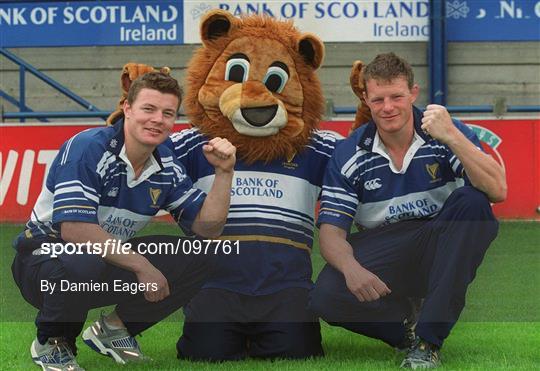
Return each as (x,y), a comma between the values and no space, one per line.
(499,328)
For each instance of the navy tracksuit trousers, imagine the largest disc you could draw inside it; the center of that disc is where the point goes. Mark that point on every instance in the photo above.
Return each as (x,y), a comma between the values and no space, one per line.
(435,259)
(63,313)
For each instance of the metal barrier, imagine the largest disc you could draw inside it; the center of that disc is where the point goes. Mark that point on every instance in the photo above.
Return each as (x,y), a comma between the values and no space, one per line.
(457,109)
(26,112)
(335,110)
(55,114)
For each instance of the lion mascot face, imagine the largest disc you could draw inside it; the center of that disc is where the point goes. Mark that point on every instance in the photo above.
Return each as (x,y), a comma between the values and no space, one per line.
(253,82)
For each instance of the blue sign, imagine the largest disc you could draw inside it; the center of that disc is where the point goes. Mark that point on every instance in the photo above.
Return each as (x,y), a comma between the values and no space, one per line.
(77,23)
(158,22)
(482,20)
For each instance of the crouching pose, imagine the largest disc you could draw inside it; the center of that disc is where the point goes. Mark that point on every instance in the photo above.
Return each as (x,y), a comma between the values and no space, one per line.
(420,187)
(78,252)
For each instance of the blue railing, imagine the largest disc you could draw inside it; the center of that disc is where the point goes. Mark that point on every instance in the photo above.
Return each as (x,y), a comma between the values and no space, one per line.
(26,112)
(55,114)
(336,110)
(457,109)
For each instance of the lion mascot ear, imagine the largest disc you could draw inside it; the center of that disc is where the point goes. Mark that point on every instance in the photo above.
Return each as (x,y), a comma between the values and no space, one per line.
(363,114)
(215,24)
(218,23)
(312,49)
(129,73)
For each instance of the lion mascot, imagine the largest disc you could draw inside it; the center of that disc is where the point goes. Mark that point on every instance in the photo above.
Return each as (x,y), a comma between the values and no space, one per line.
(253,81)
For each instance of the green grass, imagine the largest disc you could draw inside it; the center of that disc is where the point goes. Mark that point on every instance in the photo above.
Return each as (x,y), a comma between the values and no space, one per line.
(499,328)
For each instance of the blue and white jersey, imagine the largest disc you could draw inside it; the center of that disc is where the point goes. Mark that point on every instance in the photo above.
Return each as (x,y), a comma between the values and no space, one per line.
(271,214)
(91,180)
(362,185)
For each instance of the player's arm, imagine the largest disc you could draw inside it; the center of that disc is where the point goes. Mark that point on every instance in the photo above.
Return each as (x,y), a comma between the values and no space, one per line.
(77,187)
(482,170)
(337,251)
(339,201)
(82,232)
(210,220)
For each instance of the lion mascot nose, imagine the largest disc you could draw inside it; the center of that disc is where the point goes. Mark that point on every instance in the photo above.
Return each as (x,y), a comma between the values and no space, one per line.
(259,116)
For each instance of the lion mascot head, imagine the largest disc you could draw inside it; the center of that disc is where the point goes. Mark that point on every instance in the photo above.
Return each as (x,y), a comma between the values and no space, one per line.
(253,82)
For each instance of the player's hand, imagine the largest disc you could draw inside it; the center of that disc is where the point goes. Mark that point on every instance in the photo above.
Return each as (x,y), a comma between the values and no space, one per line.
(221,154)
(438,124)
(151,277)
(365,285)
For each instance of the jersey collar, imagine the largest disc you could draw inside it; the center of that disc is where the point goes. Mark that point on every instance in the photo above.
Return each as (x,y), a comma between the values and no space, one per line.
(116,144)
(380,148)
(151,167)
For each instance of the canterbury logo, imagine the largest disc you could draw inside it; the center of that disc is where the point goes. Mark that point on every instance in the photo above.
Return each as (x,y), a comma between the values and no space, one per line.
(154,195)
(432,170)
(373,184)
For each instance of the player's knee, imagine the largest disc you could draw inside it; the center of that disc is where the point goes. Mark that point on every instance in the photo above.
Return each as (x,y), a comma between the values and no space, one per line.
(477,207)
(305,343)
(471,198)
(320,302)
(83,268)
(293,340)
(208,263)
(301,350)
(329,287)
(200,342)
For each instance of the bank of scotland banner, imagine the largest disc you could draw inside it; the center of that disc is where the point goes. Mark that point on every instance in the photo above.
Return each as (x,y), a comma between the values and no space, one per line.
(78,23)
(158,22)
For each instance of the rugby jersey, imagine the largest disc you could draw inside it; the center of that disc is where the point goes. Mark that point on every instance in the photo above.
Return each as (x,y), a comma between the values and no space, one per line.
(91,180)
(271,214)
(362,185)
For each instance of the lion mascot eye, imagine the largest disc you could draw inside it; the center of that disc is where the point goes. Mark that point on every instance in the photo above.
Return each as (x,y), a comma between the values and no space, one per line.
(237,68)
(276,77)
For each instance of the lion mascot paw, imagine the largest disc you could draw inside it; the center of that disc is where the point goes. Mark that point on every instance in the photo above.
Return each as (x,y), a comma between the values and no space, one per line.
(130,72)
(363,114)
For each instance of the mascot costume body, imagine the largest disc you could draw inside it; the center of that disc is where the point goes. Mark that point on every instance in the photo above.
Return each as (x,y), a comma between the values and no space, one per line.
(253,82)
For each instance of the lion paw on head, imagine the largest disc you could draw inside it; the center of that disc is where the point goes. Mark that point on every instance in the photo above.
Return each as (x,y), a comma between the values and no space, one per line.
(356,79)
(130,72)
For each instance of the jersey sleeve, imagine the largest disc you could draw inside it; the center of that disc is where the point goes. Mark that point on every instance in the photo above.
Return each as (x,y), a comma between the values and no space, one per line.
(323,144)
(183,201)
(76,182)
(455,163)
(339,198)
(186,146)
